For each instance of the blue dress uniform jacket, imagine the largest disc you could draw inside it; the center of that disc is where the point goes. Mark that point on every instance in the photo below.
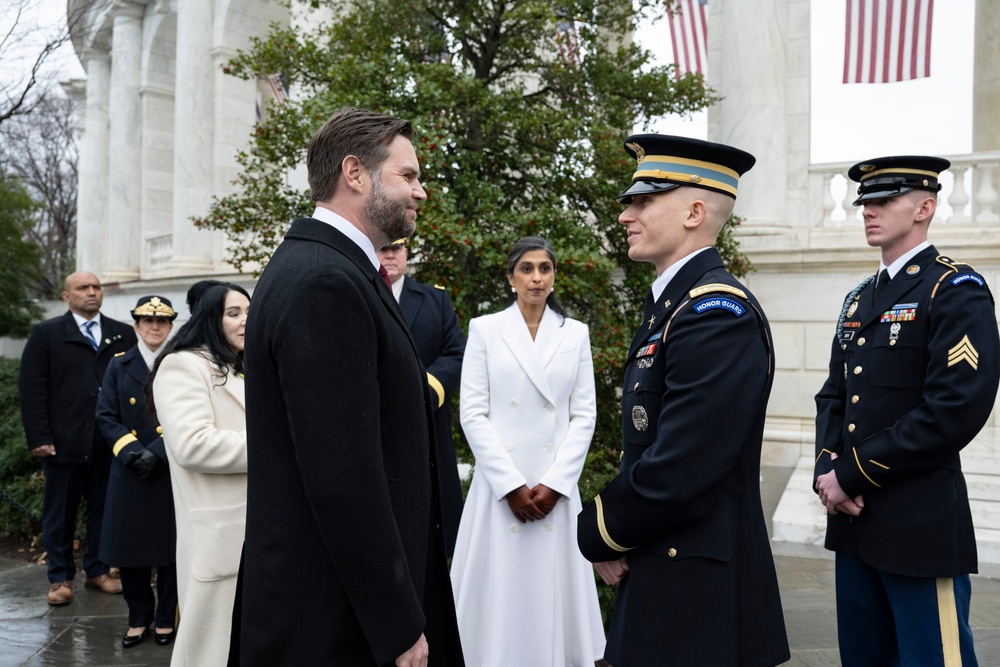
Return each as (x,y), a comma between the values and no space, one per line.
(685,509)
(342,563)
(59,380)
(139,528)
(913,378)
(440,345)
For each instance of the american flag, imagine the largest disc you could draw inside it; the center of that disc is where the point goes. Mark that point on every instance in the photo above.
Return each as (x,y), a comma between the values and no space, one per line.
(689,36)
(887,40)
(277,88)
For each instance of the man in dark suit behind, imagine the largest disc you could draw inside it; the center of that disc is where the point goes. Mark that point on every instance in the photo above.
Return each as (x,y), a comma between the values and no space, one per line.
(62,367)
(343,561)
(441,346)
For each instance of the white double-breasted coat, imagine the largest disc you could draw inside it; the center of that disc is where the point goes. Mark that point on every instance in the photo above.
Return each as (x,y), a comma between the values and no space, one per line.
(524,594)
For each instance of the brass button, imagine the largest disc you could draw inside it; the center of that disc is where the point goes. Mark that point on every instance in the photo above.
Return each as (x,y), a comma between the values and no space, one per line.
(855,398)
(892,343)
(621,456)
(134,433)
(159,430)
(636,387)
(131,401)
(861,341)
(850,428)
(671,552)
(857,370)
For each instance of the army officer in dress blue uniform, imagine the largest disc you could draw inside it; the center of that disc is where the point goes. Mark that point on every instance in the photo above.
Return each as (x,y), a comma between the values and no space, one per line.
(681,527)
(139,528)
(913,378)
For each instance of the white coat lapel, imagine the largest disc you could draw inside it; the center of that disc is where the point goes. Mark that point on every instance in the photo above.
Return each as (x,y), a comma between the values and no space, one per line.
(549,338)
(234,387)
(518,341)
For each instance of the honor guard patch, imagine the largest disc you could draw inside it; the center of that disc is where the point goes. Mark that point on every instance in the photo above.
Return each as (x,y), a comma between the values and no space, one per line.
(968,277)
(646,351)
(719,302)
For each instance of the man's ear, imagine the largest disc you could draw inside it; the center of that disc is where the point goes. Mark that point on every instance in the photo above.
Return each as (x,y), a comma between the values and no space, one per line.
(353,173)
(926,209)
(696,213)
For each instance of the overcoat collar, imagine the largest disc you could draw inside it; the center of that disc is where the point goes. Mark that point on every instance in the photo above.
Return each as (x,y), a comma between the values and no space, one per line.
(135,365)
(410,301)
(310,229)
(905,280)
(72,334)
(535,355)
(674,294)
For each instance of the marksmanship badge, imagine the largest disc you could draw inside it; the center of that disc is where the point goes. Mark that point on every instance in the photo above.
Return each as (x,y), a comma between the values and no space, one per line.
(639,418)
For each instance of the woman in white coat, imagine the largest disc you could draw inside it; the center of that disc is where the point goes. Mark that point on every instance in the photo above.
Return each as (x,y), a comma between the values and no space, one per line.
(524,594)
(197,394)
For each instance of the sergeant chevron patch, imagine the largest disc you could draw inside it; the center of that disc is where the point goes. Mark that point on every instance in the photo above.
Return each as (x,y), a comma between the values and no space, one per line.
(964,351)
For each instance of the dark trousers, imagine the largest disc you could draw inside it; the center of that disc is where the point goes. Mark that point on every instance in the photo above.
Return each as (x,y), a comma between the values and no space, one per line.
(143,609)
(65,485)
(891,620)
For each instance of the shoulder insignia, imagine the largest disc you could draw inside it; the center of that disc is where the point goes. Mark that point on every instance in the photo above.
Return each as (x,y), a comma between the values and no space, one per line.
(712,303)
(952,264)
(717,287)
(440,287)
(966,278)
(118,354)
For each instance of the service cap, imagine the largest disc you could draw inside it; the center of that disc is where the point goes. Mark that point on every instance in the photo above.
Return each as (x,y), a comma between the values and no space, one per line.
(665,162)
(154,306)
(891,176)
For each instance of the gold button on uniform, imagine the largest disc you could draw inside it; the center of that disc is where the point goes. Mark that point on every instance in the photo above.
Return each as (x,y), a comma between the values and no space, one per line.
(855,398)
(861,341)
(850,428)
(131,400)
(857,370)
(671,552)
(134,433)
(159,430)
(636,387)
(892,342)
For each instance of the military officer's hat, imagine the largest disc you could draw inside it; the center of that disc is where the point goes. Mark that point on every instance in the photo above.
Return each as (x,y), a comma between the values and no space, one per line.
(890,176)
(665,162)
(154,306)
(398,243)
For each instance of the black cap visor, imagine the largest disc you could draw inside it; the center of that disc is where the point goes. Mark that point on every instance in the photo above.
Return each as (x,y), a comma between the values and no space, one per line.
(645,188)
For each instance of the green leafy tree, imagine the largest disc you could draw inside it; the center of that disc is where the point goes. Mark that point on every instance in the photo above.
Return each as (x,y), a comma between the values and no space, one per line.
(521,108)
(19,260)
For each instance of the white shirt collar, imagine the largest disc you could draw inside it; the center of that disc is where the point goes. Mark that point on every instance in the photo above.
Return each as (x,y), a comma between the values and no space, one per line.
(341,224)
(148,355)
(898,264)
(81,321)
(397,287)
(664,278)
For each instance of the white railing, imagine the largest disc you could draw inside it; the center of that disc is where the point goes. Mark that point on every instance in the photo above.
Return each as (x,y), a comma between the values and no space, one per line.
(968,193)
(159,250)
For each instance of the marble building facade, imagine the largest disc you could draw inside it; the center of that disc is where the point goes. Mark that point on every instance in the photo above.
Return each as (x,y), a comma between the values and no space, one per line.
(161,125)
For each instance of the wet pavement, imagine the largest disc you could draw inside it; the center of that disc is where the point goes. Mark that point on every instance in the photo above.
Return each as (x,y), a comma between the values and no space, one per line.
(88,631)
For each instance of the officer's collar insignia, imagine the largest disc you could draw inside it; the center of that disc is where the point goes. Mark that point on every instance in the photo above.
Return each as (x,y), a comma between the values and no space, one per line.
(852,309)
(912,270)
(964,351)
(666,304)
(968,277)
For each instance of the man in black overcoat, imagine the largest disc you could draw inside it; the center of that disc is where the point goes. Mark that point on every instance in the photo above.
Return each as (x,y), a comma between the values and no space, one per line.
(681,527)
(914,371)
(344,558)
(62,367)
(440,345)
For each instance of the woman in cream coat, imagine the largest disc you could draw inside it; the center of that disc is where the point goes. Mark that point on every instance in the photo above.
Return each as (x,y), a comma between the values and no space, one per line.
(197,388)
(524,594)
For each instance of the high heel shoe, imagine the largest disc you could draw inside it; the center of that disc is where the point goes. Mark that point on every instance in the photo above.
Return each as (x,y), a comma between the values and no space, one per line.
(128,641)
(165,638)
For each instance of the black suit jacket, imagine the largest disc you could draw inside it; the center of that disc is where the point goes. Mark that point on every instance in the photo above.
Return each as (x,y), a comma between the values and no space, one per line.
(440,345)
(685,509)
(341,556)
(913,378)
(60,377)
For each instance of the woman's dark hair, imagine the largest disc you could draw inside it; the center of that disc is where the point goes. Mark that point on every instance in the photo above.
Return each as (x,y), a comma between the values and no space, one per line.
(203,333)
(527,244)
(198,290)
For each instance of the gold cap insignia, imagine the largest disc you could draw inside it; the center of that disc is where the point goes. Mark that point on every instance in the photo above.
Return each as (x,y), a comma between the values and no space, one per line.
(695,179)
(867,167)
(640,153)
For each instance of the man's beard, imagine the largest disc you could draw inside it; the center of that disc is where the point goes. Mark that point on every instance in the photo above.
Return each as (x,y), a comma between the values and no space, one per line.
(386,215)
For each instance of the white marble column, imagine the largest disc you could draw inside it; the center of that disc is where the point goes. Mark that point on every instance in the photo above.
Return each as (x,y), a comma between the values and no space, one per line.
(92,192)
(986,78)
(124,168)
(748,68)
(194,121)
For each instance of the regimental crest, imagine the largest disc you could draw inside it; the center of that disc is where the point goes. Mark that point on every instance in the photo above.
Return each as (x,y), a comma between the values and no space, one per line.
(853,308)
(640,153)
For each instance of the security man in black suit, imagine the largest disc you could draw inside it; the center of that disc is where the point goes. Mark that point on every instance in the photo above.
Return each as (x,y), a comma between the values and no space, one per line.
(682,527)
(440,346)
(913,378)
(62,366)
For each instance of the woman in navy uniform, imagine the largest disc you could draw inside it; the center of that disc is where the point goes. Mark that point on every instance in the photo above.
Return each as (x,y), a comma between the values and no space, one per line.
(139,528)
(913,377)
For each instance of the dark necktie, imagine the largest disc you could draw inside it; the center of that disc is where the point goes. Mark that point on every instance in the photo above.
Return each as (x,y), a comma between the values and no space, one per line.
(882,283)
(647,308)
(90,334)
(385,276)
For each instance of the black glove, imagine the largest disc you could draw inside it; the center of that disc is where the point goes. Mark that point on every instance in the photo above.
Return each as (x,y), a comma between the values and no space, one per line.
(146,464)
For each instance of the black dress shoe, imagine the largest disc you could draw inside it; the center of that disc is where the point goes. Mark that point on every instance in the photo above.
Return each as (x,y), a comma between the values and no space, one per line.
(128,641)
(164,638)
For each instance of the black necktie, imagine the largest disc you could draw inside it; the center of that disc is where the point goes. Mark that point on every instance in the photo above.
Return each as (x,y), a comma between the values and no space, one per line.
(882,283)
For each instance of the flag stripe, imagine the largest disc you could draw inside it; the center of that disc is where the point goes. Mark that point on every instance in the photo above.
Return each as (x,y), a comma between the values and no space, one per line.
(689,37)
(887,40)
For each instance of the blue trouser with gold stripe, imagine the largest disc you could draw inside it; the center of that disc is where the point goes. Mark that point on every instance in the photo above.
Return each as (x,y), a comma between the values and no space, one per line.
(888,619)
